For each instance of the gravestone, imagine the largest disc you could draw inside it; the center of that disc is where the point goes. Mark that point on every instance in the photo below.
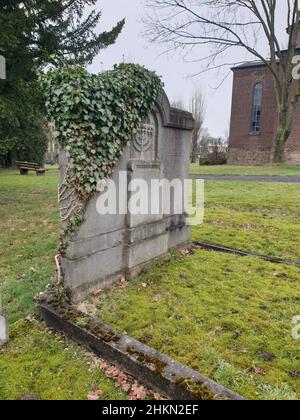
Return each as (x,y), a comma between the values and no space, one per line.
(2,68)
(3,330)
(111,246)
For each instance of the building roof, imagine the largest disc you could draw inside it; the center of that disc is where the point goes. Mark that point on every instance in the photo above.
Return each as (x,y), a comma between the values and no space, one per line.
(258,63)
(249,64)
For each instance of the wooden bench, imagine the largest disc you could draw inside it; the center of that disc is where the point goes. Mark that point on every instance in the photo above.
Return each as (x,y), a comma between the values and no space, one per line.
(25,167)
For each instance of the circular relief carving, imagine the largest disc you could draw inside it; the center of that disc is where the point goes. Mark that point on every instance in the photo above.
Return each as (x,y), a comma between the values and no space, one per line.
(144,137)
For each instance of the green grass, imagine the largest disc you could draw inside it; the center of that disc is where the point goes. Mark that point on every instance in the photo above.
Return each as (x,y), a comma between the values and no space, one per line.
(272,170)
(29,225)
(259,217)
(220,314)
(49,368)
(227,317)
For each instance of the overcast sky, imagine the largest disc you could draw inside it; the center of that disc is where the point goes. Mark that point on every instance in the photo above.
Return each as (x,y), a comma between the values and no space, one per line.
(133,47)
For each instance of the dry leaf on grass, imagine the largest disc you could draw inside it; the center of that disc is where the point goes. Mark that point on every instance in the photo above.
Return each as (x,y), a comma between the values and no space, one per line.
(97,292)
(95,394)
(122,380)
(138,392)
(186,252)
(122,283)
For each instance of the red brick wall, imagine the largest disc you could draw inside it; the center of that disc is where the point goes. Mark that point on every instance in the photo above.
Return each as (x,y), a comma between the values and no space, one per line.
(246,148)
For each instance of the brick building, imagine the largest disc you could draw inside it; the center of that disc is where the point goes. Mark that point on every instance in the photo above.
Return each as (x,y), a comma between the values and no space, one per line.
(254,118)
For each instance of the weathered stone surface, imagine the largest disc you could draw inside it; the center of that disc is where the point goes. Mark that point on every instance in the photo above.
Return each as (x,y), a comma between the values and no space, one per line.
(3,330)
(108,247)
(154,369)
(2,68)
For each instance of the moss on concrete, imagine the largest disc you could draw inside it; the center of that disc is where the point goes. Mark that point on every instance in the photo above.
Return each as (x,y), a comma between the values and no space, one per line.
(154,363)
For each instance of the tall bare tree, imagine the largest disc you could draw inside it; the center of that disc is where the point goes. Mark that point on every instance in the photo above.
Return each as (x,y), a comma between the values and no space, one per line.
(197,108)
(220,26)
(178,103)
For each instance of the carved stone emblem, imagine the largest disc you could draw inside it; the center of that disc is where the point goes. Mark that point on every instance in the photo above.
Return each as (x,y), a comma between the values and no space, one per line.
(144,138)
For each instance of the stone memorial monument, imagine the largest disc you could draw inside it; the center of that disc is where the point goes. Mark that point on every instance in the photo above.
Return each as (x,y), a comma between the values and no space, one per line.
(111,246)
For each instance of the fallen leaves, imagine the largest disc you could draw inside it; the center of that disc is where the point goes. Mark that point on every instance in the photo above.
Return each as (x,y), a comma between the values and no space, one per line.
(95,394)
(185,252)
(138,392)
(122,380)
(122,283)
(126,383)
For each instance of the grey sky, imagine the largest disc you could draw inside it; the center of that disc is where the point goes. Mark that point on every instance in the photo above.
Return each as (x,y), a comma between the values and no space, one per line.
(174,71)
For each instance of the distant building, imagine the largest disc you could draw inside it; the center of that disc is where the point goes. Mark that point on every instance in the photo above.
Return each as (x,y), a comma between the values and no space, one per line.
(254,118)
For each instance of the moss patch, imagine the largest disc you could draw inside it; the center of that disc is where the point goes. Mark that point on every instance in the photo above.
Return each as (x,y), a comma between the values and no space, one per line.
(220,315)
(37,363)
(198,389)
(152,362)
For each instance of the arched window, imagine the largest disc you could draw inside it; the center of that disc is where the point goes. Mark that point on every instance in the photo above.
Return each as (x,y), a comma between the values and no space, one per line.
(256,108)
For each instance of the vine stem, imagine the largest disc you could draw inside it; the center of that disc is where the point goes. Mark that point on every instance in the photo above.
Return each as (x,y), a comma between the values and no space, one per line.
(58,268)
(72,210)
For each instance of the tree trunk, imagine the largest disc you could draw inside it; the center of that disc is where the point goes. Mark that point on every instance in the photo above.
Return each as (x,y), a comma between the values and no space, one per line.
(194,151)
(279,147)
(282,135)
(194,157)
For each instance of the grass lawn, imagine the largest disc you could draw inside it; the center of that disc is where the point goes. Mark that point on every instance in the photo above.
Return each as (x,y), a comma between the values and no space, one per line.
(37,363)
(259,217)
(227,317)
(274,170)
(29,225)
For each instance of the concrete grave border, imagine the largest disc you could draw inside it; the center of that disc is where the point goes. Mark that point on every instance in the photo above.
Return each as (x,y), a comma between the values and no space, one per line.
(154,369)
(227,250)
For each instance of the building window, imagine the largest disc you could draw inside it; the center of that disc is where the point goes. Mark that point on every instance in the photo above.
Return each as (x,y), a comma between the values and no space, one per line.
(256,109)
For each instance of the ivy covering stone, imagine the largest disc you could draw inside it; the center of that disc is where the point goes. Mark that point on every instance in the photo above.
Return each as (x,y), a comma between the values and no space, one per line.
(95,117)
